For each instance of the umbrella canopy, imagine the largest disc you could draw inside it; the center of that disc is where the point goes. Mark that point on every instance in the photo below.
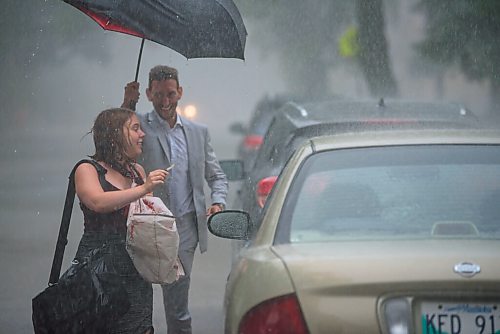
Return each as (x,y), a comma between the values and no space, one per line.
(194,28)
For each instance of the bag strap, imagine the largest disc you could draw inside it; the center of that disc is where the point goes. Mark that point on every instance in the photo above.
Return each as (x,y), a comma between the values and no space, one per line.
(137,176)
(62,239)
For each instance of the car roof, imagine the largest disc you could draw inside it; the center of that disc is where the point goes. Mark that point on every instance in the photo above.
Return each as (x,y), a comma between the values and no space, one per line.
(405,137)
(337,116)
(391,110)
(266,108)
(285,146)
(344,115)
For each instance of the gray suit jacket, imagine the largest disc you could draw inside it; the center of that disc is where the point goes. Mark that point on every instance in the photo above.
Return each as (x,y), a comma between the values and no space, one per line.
(202,165)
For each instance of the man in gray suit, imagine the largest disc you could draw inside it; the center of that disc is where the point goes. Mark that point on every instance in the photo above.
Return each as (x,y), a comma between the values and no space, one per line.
(172,140)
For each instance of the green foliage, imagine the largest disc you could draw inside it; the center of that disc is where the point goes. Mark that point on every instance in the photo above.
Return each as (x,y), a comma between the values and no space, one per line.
(463,32)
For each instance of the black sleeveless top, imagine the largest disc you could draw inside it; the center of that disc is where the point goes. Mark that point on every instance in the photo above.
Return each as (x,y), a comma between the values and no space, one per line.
(111,222)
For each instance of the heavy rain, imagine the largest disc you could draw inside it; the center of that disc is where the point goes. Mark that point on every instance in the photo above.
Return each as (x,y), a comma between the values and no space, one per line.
(59,70)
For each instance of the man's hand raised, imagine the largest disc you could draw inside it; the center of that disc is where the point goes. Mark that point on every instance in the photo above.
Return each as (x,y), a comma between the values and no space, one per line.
(131,95)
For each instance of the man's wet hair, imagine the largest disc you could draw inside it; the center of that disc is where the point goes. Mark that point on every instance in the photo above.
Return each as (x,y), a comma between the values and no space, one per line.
(162,72)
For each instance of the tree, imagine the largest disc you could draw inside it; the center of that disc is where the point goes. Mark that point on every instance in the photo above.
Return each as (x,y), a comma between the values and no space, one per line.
(305,35)
(465,33)
(373,57)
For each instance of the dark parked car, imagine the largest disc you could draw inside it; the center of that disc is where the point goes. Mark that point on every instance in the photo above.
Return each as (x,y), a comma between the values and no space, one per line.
(253,133)
(295,123)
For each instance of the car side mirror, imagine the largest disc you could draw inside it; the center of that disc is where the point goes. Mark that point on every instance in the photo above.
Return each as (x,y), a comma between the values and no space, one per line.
(237,128)
(230,224)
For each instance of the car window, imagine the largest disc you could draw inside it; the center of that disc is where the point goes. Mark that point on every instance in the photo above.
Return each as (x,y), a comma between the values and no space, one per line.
(395,192)
(273,135)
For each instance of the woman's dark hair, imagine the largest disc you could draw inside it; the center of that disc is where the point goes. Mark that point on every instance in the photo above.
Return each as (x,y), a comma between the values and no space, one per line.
(109,140)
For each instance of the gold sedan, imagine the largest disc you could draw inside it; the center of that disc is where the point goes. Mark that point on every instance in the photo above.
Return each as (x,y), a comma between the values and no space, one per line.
(392,232)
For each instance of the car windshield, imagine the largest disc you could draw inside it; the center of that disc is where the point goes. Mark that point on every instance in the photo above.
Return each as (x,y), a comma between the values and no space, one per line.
(395,192)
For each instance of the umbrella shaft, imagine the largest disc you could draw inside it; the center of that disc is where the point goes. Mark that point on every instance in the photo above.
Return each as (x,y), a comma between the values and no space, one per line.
(139,60)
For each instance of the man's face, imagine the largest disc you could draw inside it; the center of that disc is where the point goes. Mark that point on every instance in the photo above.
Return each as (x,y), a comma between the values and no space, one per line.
(164,95)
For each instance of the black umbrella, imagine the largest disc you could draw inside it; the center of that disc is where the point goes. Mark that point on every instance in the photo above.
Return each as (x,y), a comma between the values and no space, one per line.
(194,28)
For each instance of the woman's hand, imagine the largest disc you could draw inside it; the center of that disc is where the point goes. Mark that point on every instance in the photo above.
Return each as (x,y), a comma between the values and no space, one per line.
(155,178)
(91,194)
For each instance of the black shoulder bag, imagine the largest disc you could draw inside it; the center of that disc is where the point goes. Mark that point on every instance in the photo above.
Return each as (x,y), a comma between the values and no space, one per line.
(89,295)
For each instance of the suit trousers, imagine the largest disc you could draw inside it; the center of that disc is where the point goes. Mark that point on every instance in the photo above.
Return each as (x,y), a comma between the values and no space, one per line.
(176,294)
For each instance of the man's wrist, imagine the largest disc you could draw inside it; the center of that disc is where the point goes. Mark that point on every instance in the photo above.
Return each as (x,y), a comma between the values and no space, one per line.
(220,205)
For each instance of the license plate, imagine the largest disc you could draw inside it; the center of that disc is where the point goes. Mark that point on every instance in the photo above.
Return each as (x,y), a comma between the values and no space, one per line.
(460,318)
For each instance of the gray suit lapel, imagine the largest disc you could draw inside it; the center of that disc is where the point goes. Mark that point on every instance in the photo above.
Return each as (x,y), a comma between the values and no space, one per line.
(164,145)
(190,141)
(160,134)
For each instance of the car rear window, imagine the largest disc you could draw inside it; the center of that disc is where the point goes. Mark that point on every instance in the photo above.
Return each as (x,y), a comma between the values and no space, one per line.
(395,192)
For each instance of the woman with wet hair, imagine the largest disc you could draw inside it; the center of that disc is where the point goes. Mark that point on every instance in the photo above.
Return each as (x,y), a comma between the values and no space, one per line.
(104,187)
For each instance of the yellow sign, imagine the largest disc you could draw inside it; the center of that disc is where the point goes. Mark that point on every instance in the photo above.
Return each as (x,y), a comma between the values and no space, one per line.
(348,43)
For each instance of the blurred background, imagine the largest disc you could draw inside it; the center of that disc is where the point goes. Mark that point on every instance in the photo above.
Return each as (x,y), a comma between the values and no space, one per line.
(59,70)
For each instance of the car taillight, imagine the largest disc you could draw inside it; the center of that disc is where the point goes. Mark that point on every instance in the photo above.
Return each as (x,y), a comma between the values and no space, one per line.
(264,188)
(253,142)
(278,315)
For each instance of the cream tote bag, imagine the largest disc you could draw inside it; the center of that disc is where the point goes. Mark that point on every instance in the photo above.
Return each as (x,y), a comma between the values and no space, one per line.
(153,240)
